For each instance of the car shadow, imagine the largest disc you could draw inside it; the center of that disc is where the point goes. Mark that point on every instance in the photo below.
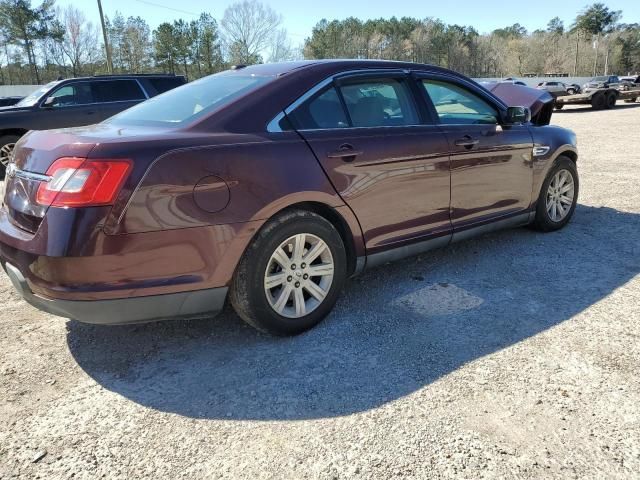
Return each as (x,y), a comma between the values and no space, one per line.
(396,329)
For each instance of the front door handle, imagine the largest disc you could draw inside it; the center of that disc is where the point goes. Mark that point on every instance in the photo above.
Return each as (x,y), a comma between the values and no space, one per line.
(467,142)
(346,152)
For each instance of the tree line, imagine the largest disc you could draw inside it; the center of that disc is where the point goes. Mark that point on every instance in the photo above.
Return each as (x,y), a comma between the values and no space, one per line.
(41,42)
(596,42)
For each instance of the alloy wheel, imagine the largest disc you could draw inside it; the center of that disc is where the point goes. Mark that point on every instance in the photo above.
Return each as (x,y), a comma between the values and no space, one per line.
(5,153)
(560,195)
(299,275)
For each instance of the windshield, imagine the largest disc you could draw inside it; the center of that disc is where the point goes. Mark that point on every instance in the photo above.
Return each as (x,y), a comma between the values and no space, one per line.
(33,98)
(192,101)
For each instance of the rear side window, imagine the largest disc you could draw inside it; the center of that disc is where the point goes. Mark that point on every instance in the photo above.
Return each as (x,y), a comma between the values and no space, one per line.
(117,91)
(72,94)
(320,112)
(456,105)
(379,103)
(162,85)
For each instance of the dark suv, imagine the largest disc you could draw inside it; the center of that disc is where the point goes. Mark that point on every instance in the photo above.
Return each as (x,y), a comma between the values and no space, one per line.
(76,102)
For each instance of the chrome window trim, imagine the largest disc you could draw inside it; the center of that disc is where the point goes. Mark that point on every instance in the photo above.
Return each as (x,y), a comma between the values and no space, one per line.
(417,125)
(274,125)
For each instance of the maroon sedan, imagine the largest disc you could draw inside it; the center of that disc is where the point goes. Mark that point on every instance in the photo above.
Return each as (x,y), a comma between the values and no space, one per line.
(270,185)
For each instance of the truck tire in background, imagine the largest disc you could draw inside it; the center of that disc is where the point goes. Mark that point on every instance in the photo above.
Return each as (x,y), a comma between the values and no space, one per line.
(598,102)
(611,99)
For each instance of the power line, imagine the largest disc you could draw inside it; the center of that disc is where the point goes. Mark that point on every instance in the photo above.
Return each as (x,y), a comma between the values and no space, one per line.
(167,8)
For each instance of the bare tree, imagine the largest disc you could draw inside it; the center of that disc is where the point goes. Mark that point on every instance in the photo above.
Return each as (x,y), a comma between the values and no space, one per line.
(281,49)
(80,44)
(249,28)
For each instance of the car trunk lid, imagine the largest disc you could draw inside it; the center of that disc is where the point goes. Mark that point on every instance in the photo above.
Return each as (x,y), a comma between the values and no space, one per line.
(32,157)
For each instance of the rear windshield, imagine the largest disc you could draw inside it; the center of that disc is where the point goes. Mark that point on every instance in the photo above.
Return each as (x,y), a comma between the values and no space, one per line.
(600,79)
(192,101)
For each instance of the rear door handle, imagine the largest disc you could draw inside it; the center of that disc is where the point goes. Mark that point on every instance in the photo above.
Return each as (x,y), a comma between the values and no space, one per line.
(467,142)
(345,152)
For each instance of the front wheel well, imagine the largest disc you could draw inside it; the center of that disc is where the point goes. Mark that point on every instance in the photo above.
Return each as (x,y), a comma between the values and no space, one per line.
(337,221)
(573,156)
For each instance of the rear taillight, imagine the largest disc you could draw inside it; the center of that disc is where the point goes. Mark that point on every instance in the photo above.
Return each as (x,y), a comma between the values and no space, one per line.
(76,182)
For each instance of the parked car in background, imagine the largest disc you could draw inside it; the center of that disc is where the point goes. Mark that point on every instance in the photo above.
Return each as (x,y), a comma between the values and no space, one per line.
(610,81)
(76,102)
(8,101)
(558,88)
(514,81)
(292,177)
(573,88)
(628,83)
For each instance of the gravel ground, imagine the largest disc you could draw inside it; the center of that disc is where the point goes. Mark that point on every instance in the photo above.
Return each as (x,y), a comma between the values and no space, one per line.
(514,355)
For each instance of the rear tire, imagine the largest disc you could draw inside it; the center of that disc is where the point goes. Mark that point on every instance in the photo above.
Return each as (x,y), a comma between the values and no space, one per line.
(558,196)
(612,98)
(598,101)
(275,298)
(7,143)
(571,91)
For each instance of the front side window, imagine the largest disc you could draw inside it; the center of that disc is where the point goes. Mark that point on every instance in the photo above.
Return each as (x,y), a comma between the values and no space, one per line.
(192,101)
(369,103)
(74,94)
(379,103)
(456,105)
(33,98)
(117,91)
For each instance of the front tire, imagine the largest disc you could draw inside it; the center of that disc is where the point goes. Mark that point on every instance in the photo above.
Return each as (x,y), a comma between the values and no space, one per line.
(558,196)
(291,275)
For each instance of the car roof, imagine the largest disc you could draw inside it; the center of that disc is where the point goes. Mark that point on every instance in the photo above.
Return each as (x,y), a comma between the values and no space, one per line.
(124,76)
(282,68)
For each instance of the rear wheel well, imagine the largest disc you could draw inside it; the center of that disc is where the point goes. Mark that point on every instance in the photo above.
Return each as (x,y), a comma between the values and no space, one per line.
(337,221)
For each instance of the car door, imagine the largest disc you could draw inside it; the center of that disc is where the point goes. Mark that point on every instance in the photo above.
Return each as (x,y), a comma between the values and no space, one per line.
(491,164)
(367,132)
(116,95)
(72,105)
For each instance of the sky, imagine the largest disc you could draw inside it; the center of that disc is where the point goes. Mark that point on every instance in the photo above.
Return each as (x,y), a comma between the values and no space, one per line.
(300,16)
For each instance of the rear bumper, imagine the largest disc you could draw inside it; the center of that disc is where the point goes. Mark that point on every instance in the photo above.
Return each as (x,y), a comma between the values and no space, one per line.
(199,303)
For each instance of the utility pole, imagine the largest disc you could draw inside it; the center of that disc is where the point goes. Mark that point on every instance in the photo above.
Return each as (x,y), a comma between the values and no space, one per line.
(596,44)
(106,39)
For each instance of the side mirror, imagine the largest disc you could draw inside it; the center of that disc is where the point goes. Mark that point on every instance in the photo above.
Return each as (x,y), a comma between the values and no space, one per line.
(48,103)
(517,115)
